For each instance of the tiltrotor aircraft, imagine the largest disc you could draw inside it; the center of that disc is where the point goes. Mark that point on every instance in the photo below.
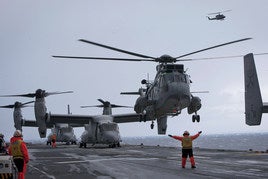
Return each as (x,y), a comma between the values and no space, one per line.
(254,107)
(17,113)
(169,93)
(99,129)
(219,15)
(64,132)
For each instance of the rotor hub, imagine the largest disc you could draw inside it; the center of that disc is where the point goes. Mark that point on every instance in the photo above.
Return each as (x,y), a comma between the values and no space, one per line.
(166,59)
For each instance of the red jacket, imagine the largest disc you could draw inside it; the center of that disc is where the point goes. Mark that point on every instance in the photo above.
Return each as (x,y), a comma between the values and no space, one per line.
(23,148)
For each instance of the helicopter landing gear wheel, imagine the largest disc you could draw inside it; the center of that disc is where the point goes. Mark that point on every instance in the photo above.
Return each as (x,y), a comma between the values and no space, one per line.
(83,144)
(152,125)
(196,118)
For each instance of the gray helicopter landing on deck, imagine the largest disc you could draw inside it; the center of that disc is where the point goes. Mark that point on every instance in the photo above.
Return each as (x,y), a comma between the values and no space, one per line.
(169,93)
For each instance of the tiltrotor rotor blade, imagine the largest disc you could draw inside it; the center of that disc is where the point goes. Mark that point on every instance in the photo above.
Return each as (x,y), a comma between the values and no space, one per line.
(29,95)
(8,106)
(99,106)
(54,93)
(17,105)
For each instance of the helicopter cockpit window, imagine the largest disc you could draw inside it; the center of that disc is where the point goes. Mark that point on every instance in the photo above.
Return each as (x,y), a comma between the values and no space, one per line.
(66,129)
(168,77)
(108,127)
(175,77)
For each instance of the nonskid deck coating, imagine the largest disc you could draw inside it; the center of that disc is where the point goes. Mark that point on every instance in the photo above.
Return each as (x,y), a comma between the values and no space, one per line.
(129,161)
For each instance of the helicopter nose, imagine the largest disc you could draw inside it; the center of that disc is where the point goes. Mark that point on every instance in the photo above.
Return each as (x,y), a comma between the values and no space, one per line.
(181,90)
(179,94)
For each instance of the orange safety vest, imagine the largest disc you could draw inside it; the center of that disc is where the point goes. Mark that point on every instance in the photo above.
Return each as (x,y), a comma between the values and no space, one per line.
(187,143)
(16,149)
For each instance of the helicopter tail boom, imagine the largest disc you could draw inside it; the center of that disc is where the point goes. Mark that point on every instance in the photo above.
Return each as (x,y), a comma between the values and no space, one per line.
(254,107)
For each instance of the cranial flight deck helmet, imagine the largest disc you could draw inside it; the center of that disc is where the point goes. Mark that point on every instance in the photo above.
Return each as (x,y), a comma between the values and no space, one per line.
(17,133)
(186,133)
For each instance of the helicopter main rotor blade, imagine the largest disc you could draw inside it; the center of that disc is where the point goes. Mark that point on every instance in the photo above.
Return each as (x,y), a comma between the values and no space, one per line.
(116,49)
(219,12)
(119,106)
(224,57)
(216,46)
(104,58)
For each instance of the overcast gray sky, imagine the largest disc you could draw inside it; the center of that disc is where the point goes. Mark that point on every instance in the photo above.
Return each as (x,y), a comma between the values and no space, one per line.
(33,30)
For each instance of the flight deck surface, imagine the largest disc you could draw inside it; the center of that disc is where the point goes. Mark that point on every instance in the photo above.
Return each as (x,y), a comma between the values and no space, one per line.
(129,161)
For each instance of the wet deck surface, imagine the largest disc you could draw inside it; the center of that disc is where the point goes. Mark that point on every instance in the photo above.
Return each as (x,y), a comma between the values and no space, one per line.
(141,162)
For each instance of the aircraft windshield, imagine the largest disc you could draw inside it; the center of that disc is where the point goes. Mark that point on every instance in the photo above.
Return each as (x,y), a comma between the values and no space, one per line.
(66,129)
(109,127)
(175,77)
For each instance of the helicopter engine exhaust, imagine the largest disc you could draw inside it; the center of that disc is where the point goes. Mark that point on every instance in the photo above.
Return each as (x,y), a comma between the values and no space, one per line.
(195,105)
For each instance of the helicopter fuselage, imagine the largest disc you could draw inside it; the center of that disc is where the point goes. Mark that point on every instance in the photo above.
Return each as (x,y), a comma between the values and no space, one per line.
(64,133)
(217,17)
(168,94)
(101,130)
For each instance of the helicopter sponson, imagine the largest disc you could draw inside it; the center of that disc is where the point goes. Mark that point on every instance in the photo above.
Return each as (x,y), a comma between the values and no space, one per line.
(141,103)
(195,105)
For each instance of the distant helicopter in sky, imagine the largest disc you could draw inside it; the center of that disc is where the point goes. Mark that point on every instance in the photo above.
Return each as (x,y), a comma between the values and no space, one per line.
(218,16)
(169,93)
